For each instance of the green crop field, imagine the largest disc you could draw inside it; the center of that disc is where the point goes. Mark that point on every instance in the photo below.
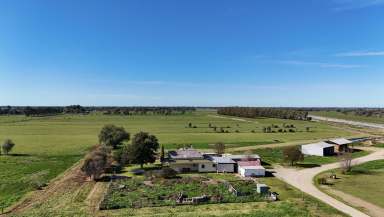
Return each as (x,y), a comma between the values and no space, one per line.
(50,145)
(349,116)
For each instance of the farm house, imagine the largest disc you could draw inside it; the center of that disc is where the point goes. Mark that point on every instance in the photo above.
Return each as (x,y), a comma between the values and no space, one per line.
(250,168)
(318,149)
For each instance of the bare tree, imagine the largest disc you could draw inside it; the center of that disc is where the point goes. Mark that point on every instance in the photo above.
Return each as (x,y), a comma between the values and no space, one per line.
(346,162)
(219,148)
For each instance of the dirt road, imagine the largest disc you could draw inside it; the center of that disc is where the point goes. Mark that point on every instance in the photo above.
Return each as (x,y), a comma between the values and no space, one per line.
(342,121)
(303,180)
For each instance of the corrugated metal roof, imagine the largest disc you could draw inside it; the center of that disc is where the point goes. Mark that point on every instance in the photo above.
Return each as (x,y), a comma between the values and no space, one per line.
(249,163)
(252,167)
(185,153)
(222,160)
(318,144)
(242,156)
(340,141)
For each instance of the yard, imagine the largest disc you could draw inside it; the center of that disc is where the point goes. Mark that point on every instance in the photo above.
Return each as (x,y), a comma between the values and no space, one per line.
(369,177)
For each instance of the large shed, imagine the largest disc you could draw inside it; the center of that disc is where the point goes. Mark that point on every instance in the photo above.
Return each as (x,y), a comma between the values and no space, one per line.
(250,168)
(318,149)
(223,164)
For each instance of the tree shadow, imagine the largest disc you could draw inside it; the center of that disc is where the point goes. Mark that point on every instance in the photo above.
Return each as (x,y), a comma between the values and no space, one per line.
(307,165)
(19,155)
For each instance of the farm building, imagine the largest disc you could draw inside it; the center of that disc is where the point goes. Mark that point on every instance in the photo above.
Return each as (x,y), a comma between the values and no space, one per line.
(340,144)
(318,149)
(250,168)
(223,164)
(243,157)
(189,160)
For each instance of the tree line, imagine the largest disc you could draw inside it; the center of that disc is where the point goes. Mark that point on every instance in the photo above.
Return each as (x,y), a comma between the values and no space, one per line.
(77,109)
(254,112)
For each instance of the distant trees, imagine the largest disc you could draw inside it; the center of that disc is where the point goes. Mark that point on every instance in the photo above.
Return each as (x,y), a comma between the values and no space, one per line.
(111,135)
(7,146)
(97,161)
(143,149)
(253,112)
(292,154)
(219,148)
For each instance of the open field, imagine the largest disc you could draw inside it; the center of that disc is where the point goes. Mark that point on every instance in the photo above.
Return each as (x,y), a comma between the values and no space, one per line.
(54,143)
(368,177)
(348,116)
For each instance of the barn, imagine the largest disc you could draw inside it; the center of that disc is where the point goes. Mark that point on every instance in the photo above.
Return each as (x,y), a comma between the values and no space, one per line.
(318,149)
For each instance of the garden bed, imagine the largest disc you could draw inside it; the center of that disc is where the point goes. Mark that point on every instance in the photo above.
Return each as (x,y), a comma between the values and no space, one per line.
(137,192)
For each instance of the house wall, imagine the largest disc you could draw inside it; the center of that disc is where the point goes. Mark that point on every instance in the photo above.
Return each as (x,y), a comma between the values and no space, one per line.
(184,167)
(312,151)
(228,168)
(251,172)
(207,167)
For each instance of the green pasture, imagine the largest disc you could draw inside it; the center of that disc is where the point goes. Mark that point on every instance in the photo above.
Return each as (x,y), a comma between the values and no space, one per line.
(54,143)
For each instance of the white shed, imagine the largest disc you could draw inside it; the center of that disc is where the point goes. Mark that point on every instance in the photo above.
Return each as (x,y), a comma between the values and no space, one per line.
(318,149)
(250,168)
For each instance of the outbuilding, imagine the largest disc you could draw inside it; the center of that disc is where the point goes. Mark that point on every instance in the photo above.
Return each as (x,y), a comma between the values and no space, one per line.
(223,164)
(250,168)
(318,149)
(340,144)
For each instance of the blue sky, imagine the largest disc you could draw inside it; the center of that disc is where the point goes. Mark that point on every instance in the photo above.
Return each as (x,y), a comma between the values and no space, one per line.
(203,53)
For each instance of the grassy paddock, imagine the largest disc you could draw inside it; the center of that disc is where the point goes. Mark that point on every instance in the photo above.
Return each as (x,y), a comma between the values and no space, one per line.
(54,143)
(368,177)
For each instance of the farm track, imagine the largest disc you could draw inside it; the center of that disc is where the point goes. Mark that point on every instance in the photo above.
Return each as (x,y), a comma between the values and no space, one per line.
(71,180)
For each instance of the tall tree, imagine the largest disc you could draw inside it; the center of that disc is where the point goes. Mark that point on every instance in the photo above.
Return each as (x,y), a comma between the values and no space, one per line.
(7,146)
(111,135)
(219,148)
(292,154)
(143,149)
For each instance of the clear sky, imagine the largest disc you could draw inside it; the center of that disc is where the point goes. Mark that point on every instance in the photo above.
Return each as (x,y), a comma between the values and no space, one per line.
(192,52)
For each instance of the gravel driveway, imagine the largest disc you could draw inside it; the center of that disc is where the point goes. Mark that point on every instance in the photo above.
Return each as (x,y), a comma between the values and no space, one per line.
(303,180)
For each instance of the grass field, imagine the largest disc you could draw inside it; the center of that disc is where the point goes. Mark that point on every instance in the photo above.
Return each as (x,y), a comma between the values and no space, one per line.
(348,116)
(369,177)
(52,144)
(275,156)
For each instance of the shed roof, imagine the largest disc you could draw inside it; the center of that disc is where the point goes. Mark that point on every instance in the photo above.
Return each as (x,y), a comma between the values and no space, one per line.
(249,163)
(318,145)
(340,141)
(253,167)
(242,156)
(222,160)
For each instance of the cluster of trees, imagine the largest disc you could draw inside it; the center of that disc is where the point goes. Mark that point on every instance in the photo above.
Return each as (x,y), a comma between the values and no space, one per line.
(144,110)
(7,146)
(254,112)
(42,110)
(77,109)
(112,149)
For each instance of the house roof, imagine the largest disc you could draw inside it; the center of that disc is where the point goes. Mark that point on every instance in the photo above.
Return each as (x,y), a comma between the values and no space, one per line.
(242,156)
(185,153)
(318,145)
(186,161)
(340,141)
(222,160)
(249,163)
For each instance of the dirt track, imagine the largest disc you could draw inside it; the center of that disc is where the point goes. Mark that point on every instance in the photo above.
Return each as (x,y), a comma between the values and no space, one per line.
(303,180)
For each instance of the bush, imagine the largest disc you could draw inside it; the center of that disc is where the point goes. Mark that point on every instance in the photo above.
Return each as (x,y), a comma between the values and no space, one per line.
(321,181)
(168,173)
